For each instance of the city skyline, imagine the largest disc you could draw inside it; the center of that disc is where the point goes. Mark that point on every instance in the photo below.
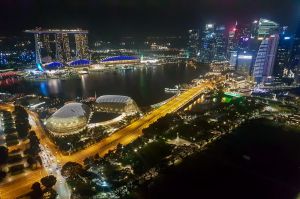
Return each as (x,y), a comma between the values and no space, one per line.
(149,99)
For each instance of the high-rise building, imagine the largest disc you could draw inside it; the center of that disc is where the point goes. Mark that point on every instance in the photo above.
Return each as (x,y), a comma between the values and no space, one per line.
(244,63)
(254,29)
(220,43)
(81,42)
(47,45)
(207,43)
(282,61)
(193,43)
(233,59)
(295,55)
(264,63)
(266,28)
(231,44)
(46,52)
(242,37)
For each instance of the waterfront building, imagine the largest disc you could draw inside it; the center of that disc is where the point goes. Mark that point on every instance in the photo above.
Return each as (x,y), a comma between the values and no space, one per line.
(71,119)
(122,59)
(116,104)
(54,45)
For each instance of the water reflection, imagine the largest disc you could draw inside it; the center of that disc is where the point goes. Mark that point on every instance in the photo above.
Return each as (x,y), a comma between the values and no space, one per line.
(44,88)
(144,85)
(54,86)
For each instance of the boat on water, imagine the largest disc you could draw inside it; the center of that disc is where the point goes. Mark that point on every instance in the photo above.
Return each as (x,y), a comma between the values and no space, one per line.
(176,89)
(171,90)
(83,72)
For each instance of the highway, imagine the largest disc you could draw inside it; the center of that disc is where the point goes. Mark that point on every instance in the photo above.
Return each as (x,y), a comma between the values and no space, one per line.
(134,130)
(124,136)
(21,184)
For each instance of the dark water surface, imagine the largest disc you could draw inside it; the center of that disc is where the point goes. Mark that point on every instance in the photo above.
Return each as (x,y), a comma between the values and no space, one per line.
(144,85)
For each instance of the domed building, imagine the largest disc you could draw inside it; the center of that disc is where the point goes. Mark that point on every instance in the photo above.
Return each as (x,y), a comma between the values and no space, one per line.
(122,59)
(116,104)
(70,119)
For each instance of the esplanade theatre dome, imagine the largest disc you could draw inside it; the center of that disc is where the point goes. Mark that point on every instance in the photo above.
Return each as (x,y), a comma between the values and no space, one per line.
(69,119)
(116,104)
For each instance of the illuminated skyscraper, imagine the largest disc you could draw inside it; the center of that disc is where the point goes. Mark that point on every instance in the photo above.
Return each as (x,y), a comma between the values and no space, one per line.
(242,37)
(282,60)
(233,59)
(58,47)
(208,44)
(38,56)
(62,45)
(266,28)
(47,45)
(231,44)
(63,51)
(81,42)
(66,47)
(244,63)
(254,29)
(219,50)
(193,43)
(264,63)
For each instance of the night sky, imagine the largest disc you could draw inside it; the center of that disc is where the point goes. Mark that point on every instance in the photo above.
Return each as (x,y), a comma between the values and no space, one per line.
(109,18)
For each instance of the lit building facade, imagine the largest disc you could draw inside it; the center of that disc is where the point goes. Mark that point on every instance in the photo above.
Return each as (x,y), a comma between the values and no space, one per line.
(295,55)
(282,61)
(266,28)
(243,37)
(122,59)
(207,44)
(264,63)
(233,58)
(220,43)
(231,44)
(54,45)
(193,43)
(70,119)
(116,104)
(244,63)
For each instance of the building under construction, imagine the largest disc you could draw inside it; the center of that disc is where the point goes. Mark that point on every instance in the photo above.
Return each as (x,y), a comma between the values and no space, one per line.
(60,45)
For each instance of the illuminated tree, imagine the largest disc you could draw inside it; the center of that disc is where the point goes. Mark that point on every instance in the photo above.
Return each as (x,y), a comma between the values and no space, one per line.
(71,169)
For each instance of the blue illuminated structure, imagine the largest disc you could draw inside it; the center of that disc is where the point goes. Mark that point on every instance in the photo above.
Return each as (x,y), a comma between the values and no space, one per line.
(53,65)
(40,67)
(80,62)
(120,58)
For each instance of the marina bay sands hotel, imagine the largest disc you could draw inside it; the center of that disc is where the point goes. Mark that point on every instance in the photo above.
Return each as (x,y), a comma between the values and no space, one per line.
(57,45)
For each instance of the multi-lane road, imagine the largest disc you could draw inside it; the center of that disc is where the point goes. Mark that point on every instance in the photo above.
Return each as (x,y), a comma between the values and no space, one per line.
(123,136)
